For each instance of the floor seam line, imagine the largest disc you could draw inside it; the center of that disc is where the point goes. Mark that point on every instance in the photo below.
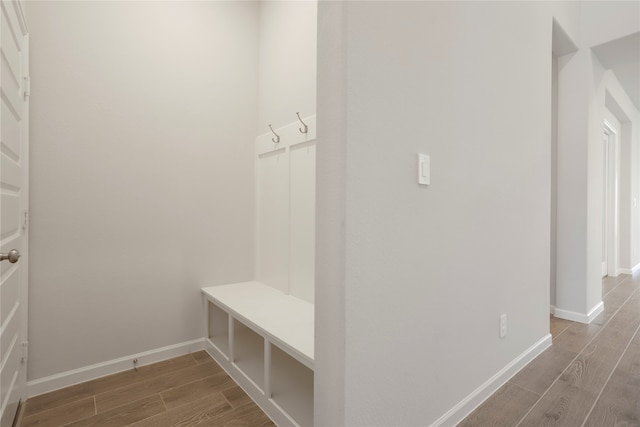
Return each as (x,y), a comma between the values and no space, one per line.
(617,284)
(524,388)
(563,331)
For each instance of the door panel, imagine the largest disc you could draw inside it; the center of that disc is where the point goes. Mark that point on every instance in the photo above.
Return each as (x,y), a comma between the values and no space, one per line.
(13,207)
(10,132)
(9,215)
(9,294)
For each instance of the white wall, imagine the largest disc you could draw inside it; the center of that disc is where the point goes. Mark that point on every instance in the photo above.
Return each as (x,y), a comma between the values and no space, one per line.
(142,124)
(287,73)
(428,271)
(416,278)
(603,21)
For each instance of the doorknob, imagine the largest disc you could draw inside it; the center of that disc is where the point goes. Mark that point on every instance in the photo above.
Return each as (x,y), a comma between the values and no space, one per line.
(13,256)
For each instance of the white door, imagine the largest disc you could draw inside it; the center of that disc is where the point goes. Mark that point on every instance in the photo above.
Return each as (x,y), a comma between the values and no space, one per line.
(14,92)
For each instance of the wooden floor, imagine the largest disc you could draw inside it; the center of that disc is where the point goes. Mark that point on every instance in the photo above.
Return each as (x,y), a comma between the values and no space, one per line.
(186,391)
(589,377)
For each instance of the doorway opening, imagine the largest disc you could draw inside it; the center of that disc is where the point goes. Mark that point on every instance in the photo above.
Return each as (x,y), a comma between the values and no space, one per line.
(610,198)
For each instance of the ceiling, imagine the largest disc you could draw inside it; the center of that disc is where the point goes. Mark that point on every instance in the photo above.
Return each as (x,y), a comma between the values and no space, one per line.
(622,56)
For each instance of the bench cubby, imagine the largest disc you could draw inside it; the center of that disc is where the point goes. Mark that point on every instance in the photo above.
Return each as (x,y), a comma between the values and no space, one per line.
(264,339)
(218,328)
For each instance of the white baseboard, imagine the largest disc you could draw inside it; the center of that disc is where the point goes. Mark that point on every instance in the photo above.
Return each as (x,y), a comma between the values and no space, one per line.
(87,373)
(552,309)
(580,317)
(629,270)
(482,393)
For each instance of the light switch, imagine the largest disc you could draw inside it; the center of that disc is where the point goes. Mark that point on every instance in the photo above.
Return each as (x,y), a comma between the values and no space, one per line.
(424,169)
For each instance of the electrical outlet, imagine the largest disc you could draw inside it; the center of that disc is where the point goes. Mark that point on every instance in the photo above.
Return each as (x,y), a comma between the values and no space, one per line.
(503,325)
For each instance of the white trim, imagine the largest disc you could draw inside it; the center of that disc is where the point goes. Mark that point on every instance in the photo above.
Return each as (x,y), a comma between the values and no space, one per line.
(552,309)
(482,393)
(580,317)
(87,373)
(630,271)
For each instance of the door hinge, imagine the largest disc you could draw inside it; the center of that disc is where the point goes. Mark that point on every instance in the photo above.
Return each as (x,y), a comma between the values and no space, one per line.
(27,87)
(25,219)
(25,351)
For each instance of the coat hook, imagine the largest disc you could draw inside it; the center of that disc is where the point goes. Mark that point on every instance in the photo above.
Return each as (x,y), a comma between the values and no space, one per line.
(277,140)
(306,128)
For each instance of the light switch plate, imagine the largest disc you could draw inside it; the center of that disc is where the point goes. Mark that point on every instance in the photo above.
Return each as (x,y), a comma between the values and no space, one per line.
(424,169)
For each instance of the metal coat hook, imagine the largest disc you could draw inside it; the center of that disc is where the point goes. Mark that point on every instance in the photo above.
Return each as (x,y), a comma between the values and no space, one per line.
(306,128)
(277,140)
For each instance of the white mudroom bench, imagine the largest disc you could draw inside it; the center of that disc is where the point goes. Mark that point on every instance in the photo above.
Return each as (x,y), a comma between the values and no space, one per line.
(264,339)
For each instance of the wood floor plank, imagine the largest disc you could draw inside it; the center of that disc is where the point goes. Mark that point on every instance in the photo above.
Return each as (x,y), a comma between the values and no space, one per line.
(558,325)
(80,391)
(210,385)
(124,415)
(198,412)
(236,396)
(576,337)
(609,283)
(541,372)
(245,416)
(504,408)
(202,357)
(61,415)
(205,412)
(616,299)
(629,313)
(57,398)
(565,405)
(619,404)
(138,390)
